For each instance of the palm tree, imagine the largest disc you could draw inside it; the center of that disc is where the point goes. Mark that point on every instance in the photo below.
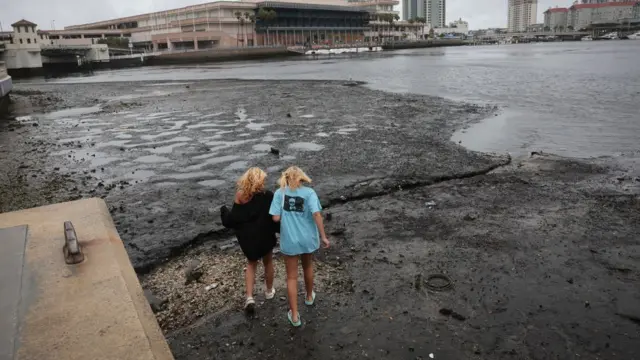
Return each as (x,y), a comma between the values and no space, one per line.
(252,21)
(238,16)
(392,19)
(266,16)
(423,21)
(247,17)
(272,16)
(411,22)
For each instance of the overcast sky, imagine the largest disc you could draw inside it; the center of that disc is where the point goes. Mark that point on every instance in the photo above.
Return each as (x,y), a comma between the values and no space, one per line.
(479,13)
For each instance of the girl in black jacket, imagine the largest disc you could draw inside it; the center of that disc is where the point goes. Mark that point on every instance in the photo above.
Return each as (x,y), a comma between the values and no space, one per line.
(255,229)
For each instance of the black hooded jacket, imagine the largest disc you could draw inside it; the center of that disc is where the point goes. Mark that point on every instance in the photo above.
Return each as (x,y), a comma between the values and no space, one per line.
(254,227)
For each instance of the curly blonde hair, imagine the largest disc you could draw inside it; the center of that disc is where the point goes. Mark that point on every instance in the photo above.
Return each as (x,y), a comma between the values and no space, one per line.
(293,177)
(252,182)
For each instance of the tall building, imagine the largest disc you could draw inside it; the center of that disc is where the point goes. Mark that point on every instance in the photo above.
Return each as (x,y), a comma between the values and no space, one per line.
(436,12)
(522,13)
(581,16)
(432,10)
(412,9)
(556,18)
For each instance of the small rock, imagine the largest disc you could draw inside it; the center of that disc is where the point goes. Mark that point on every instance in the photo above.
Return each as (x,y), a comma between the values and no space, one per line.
(35,125)
(288,115)
(587,304)
(192,272)
(227,246)
(156,303)
(457,316)
(282,298)
(188,87)
(338,232)
(328,216)
(570,281)
(121,149)
(446,312)
(275,151)
(470,217)
(430,203)
(211,287)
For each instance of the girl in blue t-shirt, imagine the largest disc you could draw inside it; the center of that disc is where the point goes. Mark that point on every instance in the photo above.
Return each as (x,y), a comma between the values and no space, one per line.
(298,210)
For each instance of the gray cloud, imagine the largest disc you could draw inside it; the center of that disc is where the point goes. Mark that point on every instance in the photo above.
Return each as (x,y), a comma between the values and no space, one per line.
(479,13)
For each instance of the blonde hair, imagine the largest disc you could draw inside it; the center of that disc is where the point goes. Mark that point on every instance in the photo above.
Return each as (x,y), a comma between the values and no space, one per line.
(252,182)
(293,177)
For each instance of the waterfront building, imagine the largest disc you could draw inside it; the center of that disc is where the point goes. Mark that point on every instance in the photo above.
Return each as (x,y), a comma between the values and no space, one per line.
(21,48)
(581,16)
(458,27)
(556,19)
(434,11)
(412,9)
(308,24)
(534,28)
(245,23)
(522,13)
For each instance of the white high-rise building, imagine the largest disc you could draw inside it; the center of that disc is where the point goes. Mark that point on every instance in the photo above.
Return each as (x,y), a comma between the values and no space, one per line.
(522,13)
(434,11)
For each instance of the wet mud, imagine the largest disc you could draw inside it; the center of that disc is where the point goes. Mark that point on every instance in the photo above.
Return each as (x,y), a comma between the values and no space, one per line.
(542,251)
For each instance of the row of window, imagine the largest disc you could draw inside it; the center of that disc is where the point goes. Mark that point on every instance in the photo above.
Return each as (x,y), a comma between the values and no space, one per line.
(35,41)
(26,28)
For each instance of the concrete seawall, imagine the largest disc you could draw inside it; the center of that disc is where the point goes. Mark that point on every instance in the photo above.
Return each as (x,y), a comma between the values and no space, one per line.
(51,309)
(6,85)
(399,45)
(216,55)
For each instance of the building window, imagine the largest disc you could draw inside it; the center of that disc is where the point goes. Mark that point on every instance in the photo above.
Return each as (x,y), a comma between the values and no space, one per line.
(20,41)
(28,41)
(18,28)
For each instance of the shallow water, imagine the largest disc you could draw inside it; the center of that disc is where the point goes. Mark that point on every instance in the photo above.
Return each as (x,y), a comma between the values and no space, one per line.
(575,98)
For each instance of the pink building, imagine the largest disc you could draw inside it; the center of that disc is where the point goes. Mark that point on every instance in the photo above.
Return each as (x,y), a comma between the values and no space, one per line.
(581,16)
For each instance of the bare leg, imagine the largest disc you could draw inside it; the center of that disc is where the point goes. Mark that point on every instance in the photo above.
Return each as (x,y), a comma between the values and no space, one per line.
(307,268)
(250,277)
(267,260)
(291,263)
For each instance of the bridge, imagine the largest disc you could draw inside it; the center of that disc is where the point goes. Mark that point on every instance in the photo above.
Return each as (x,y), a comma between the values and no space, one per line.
(64,50)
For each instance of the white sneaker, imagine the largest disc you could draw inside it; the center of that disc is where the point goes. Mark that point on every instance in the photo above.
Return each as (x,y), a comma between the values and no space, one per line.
(270,294)
(249,306)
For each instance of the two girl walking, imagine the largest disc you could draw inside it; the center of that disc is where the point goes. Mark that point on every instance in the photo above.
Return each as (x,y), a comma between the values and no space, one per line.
(294,211)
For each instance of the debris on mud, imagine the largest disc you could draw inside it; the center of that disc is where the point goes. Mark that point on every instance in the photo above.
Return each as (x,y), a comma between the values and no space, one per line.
(220,285)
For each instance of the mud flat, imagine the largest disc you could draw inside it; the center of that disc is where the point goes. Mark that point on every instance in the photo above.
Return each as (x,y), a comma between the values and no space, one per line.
(542,252)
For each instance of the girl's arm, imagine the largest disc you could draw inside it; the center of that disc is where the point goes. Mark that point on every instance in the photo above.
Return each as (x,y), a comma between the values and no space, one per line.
(317,217)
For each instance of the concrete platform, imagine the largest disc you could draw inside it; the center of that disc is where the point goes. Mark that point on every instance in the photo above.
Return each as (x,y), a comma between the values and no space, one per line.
(51,310)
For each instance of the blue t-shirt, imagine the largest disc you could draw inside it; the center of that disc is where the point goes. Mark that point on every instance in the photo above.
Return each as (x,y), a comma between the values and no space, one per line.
(298,230)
